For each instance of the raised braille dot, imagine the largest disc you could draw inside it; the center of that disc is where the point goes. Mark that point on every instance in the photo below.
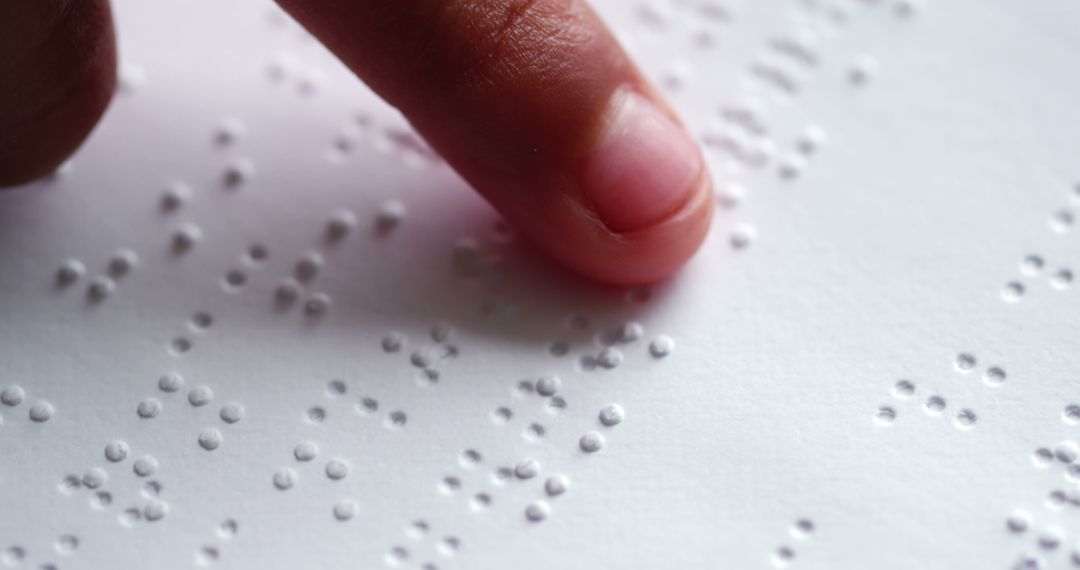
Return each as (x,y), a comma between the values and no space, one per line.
(12,395)
(207,555)
(256,254)
(1057,499)
(13,555)
(70,484)
(234,280)
(210,439)
(609,357)
(862,70)
(306,451)
(1018,522)
(117,451)
(470,458)
(200,396)
(743,235)
(965,362)
(397,555)
(538,511)
(631,332)
(556,485)
(231,413)
(535,432)
(180,346)
(994,376)
(783,556)
(345,509)
(70,271)
(423,357)
(393,342)
(308,266)
(502,415)
(449,484)
(934,405)
(527,469)
(1042,457)
(1013,291)
(548,385)
(317,305)
(1071,414)
(1067,451)
(367,406)
(591,442)
(287,291)
(661,347)
(94,478)
(612,415)
(480,501)
(1062,221)
(122,262)
(145,466)
(802,529)
(449,545)
(1050,539)
(966,419)
(556,405)
(1061,279)
(151,489)
(1031,265)
(337,469)
(148,408)
(284,478)
(336,388)
(129,517)
(170,382)
(66,544)
(525,387)
(390,216)
(228,131)
(100,500)
(238,172)
(41,411)
(903,389)
(559,348)
(155,510)
(417,529)
(316,414)
(185,237)
(397,419)
(100,288)
(885,415)
(175,195)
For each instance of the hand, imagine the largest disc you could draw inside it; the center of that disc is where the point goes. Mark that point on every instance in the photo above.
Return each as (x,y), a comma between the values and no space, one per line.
(532,101)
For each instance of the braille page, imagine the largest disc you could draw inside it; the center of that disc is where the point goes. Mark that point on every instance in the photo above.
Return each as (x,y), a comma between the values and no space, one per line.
(255,322)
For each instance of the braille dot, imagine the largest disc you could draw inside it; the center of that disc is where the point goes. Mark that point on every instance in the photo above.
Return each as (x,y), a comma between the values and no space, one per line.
(100,288)
(537,512)
(397,419)
(742,236)
(94,478)
(556,485)
(423,357)
(129,517)
(802,528)
(202,320)
(12,395)
(965,362)
(316,414)
(1031,265)
(117,451)
(885,415)
(100,500)
(556,405)
(417,529)
(397,555)
(13,555)
(306,451)
(70,484)
(66,544)
(149,408)
(1061,279)
(994,376)
(122,262)
(1018,522)
(1042,457)
(170,382)
(185,237)
(591,442)
(145,466)
(612,415)
(966,419)
(207,555)
(284,478)
(862,70)
(238,172)
(903,389)
(367,406)
(1056,500)
(393,342)
(155,510)
(527,469)
(502,415)
(631,332)
(1071,414)
(345,510)
(480,501)
(390,216)
(228,131)
(502,474)
(317,305)
(210,439)
(783,556)
(175,195)
(525,387)
(1013,291)
(449,545)
(231,413)
(535,432)
(234,280)
(151,489)
(200,396)
(308,266)
(559,348)
(287,291)
(609,357)
(180,346)
(470,458)
(70,271)
(449,484)
(1062,221)
(257,254)
(548,385)
(41,411)
(934,405)
(336,469)
(1050,539)
(1067,451)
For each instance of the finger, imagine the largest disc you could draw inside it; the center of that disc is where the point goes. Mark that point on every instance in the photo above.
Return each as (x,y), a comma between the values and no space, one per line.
(57,73)
(539,108)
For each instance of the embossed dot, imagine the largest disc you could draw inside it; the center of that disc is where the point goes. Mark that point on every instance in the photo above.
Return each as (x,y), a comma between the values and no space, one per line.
(661,346)
(449,485)
(151,489)
(556,405)
(100,288)
(1067,451)
(743,235)
(238,172)
(612,415)
(609,357)
(70,271)
(1071,414)
(527,469)
(149,408)
(480,501)
(101,500)
(234,280)
(502,415)
(1031,265)
(1062,221)
(201,320)
(284,478)
(367,406)
(41,411)
(390,216)
(231,413)
(94,478)
(591,442)
(449,545)
(1049,539)
(1061,279)
(256,254)
(145,466)
(1042,457)
(200,396)
(470,458)
(122,262)
(1013,291)
(175,196)
(559,348)
(885,415)
(345,509)
(117,450)
(70,484)
(287,291)
(185,237)
(317,305)
(210,439)
(537,512)
(207,555)
(903,389)
(336,388)
(966,419)
(397,555)
(306,451)
(802,528)
(337,469)
(994,376)
(66,544)
(308,266)
(556,485)
(155,510)
(965,362)
(180,346)
(548,385)
(316,414)
(535,432)
(397,419)
(783,556)
(1018,522)
(170,382)
(525,387)
(934,405)
(12,395)
(13,555)
(393,342)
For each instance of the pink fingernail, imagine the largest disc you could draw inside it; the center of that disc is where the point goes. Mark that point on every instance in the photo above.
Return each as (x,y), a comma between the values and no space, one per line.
(644,168)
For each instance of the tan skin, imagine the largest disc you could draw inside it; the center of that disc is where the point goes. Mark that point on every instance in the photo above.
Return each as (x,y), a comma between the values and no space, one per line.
(513,93)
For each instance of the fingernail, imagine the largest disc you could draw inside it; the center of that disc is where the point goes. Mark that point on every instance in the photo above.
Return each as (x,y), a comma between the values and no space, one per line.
(644,167)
